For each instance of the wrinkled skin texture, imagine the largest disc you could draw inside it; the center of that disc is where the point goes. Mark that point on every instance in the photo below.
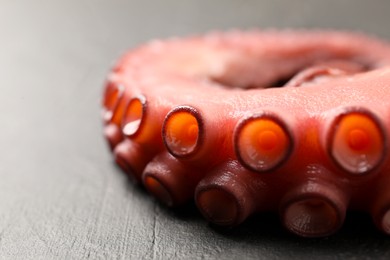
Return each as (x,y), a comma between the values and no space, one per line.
(243,122)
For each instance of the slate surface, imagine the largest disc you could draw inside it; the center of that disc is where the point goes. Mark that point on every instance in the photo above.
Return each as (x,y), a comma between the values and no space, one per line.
(60,194)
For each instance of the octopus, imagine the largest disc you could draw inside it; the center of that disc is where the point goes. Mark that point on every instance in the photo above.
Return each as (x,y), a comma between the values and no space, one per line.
(295,122)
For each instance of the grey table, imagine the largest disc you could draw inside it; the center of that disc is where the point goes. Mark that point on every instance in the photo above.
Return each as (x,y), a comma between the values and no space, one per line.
(61,196)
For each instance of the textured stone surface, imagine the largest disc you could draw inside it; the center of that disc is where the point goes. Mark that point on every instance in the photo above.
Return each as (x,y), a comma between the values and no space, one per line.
(60,194)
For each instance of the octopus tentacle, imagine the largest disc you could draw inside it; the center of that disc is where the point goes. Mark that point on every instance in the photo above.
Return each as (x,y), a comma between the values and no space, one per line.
(289,121)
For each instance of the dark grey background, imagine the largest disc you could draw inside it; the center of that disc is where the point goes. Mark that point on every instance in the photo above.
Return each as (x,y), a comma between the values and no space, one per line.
(60,194)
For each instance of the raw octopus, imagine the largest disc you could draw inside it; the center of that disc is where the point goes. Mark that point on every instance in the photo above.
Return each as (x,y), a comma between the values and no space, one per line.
(291,121)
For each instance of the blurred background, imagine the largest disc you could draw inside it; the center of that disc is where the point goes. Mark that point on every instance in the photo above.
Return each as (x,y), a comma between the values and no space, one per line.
(60,194)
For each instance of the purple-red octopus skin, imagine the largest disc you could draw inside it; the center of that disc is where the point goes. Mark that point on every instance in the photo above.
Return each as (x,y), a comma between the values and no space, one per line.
(290,121)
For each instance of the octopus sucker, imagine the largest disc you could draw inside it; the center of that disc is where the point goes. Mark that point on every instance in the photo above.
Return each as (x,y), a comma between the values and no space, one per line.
(295,122)
(197,136)
(262,142)
(112,97)
(132,158)
(113,135)
(357,141)
(133,116)
(113,105)
(171,181)
(314,209)
(183,131)
(381,213)
(227,195)
(379,202)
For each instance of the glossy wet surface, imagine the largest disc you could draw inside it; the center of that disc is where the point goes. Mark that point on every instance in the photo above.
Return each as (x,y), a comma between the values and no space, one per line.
(61,195)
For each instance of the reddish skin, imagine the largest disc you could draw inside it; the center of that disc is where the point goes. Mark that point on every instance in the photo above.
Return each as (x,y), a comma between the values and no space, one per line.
(224,80)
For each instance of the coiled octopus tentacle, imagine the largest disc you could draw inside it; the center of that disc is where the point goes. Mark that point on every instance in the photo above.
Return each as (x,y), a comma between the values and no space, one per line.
(243,122)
